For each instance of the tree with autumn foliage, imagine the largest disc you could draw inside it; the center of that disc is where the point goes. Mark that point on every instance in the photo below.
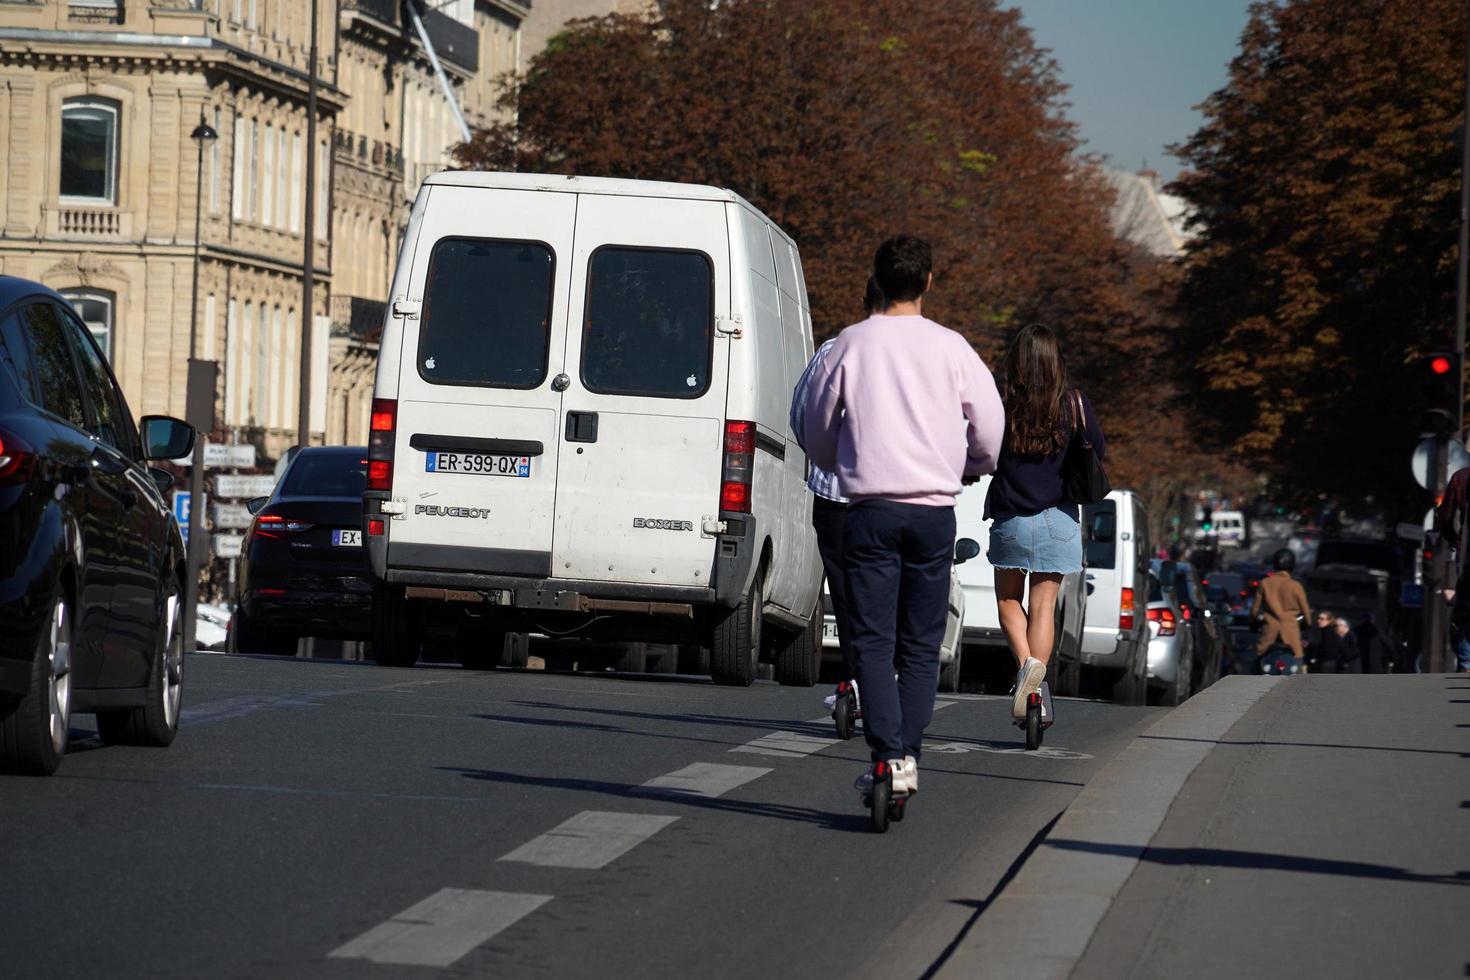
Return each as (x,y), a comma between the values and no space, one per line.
(850,120)
(1324,184)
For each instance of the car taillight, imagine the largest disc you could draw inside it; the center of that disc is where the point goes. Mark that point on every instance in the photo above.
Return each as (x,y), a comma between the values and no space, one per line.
(1166,620)
(276,526)
(1184,613)
(17,459)
(380,443)
(739,464)
(1125,610)
(376,526)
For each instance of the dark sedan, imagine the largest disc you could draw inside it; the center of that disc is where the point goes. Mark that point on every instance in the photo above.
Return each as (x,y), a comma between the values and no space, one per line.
(304,571)
(91,561)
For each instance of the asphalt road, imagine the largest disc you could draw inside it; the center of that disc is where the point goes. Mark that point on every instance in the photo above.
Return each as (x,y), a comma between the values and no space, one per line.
(335,819)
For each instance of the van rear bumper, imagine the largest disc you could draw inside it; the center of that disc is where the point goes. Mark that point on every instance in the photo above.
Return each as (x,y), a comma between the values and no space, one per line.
(524,592)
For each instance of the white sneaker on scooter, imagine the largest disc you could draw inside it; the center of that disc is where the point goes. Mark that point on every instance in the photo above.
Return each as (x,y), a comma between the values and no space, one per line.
(1028,682)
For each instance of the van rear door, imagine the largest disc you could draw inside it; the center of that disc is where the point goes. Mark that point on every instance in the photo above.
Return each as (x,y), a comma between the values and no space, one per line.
(475,460)
(1100,631)
(642,441)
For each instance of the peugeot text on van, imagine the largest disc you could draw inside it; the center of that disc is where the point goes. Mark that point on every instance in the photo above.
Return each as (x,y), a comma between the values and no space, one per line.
(579,424)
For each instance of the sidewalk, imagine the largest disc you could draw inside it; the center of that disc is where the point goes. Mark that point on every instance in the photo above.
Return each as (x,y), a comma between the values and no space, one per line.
(1271,827)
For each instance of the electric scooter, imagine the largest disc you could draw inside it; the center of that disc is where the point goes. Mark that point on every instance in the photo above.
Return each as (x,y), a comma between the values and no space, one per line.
(882,803)
(846,711)
(1039,716)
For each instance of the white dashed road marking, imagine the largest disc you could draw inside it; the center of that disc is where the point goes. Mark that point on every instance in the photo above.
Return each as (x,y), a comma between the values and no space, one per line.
(786,744)
(442,928)
(703,779)
(589,840)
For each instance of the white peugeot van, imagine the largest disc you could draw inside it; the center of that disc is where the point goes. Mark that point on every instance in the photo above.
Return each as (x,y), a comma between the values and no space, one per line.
(983,639)
(579,425)
(1116,636)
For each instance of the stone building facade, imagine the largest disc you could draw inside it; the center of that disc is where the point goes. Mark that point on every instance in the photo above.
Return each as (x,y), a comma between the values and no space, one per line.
(98,180)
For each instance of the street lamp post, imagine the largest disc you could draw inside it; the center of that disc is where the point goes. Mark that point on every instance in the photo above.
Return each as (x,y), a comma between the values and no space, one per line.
(202,136)
(308,261)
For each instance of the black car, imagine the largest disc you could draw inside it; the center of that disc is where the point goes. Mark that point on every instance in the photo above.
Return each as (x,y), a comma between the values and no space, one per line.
(91,561)
(305,572)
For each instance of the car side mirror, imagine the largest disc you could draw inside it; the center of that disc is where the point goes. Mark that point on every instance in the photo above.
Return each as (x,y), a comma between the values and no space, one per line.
(965,549)
(162,479)
(165,437)
(255,503)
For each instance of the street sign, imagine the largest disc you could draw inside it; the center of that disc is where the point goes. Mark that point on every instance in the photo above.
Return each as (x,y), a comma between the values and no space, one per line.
(220,454)
(238,487)
(228,545)
(1424,452)
(229,516)
(181,507)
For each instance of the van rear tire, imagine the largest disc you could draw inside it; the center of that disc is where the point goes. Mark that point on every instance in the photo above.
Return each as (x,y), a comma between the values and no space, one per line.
(396,637)
(735,639)
(799,656)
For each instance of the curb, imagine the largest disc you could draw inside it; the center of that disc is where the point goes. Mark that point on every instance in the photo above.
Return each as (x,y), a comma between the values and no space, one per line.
(1042,922)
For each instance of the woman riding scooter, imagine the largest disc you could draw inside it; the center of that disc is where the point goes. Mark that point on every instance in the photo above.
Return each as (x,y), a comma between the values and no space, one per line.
(1284,602)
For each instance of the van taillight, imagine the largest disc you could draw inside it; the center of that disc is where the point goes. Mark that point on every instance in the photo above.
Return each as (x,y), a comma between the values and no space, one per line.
(380,444)
(1125,610)
(739,464)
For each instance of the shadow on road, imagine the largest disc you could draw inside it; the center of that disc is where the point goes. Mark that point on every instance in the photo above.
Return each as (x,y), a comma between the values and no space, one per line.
(853,823)
(1211,857)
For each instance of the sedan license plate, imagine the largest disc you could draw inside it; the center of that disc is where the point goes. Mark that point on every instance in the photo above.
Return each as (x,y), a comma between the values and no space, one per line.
(480,464)
(347,538)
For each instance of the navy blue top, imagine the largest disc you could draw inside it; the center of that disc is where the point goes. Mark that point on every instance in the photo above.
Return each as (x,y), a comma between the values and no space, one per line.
(1027,485)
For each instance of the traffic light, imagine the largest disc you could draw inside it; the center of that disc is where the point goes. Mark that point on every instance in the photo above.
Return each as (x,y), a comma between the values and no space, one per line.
(1209,522)
(1439,391)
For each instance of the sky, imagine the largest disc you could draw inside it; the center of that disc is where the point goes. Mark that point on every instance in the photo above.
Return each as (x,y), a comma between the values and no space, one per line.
(1137,68)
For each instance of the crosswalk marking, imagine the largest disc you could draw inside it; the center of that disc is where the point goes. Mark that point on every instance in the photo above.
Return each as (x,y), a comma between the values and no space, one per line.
(589,840)
(442,928)
(786,744)
(703,779)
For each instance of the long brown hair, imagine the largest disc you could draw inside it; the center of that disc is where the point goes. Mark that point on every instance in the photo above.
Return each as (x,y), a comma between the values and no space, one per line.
(1035,387)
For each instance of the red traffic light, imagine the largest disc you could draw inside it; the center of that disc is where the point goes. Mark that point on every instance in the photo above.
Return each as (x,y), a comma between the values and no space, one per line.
(1440,364)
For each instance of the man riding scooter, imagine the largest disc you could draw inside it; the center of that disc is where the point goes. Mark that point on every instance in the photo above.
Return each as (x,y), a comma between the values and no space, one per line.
(1284,602)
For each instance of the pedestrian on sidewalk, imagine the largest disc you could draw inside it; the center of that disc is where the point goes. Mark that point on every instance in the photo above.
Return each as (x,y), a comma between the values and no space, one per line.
(1327,652)
(1283,602)
(904,412)
(1036,537)
(1449,521)
(829,506)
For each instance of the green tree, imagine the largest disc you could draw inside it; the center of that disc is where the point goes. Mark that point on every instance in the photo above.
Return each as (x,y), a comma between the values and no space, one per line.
(1324,183)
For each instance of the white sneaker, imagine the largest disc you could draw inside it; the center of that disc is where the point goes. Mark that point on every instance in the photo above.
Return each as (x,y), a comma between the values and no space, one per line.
(911,773)
(902,782)
(830,701)
(1028,682)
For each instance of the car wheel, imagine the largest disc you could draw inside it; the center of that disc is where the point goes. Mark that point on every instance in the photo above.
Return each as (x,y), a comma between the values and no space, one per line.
(799,657)
(396,638)
(949,674)
(33,734)
(247,637)
(735,639)
(157,721)
(1178,692)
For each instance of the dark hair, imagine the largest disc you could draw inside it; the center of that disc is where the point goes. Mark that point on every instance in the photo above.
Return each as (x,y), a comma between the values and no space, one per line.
(1034,393)
(902,268)
(873,299)
(1283,560)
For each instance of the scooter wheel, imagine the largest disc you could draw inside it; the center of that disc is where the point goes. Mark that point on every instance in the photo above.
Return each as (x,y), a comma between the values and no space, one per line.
(896,808)
(843,715)
(879,807)
(1033,727)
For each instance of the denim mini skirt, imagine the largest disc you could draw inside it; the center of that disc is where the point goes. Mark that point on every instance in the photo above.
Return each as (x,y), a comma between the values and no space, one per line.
(1050,541)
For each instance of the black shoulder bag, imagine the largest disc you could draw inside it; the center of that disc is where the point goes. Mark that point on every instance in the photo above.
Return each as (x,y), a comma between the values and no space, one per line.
(1083,479)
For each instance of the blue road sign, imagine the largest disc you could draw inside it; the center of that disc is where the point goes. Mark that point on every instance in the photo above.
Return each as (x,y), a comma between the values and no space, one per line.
(182,500)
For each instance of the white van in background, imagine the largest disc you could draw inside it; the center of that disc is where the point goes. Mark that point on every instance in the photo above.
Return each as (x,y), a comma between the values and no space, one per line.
(1115,639)
(579,424)
(984,642)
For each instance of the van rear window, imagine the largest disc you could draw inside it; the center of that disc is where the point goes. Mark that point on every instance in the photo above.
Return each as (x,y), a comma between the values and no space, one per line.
(487,313)
(1102,534)
(650,323)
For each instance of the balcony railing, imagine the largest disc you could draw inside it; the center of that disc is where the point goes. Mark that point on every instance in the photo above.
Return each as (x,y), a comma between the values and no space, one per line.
(368,152)
(81,221)
(358,318)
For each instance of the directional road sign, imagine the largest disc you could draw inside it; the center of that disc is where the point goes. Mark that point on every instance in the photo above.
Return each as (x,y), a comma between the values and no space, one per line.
(240,487)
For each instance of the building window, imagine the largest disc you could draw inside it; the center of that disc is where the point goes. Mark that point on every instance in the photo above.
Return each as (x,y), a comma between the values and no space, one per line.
(89,149)
(95,307)
(214,166)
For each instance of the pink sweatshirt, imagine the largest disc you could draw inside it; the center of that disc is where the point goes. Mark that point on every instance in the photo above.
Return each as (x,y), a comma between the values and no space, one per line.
(902,409)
